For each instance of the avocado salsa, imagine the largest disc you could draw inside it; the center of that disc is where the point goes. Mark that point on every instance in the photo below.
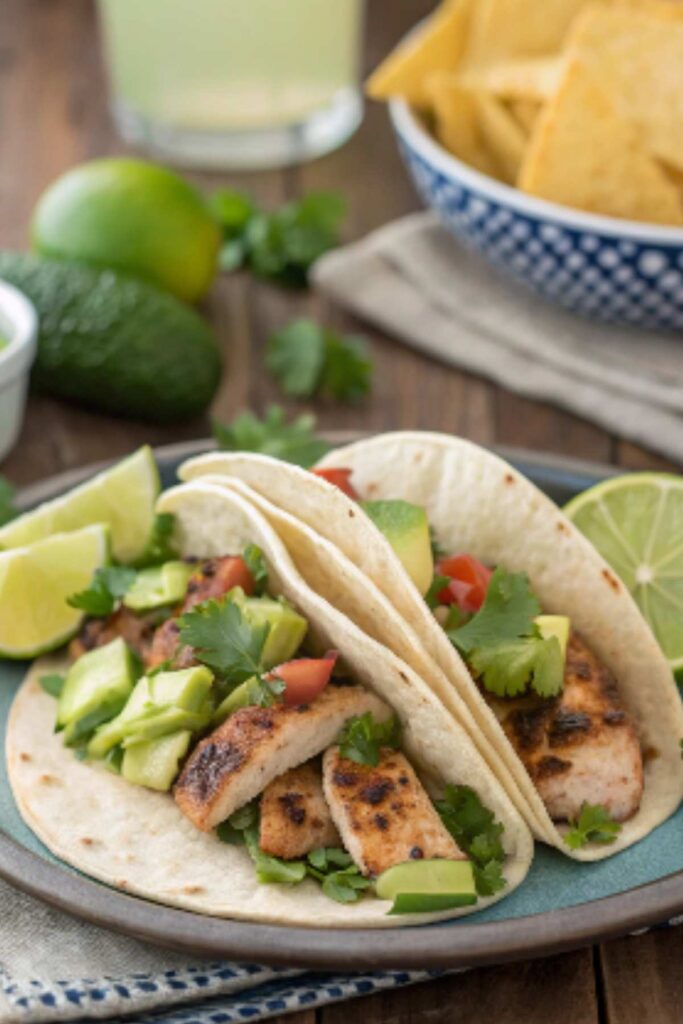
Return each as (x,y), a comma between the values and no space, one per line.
(190,677)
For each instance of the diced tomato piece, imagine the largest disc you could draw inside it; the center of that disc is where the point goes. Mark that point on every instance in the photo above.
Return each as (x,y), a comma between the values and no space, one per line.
(304,678)
(341,478)
(213,578)
(469,581)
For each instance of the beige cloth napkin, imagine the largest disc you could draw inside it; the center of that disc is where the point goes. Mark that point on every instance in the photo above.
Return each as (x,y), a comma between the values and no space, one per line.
(414,281)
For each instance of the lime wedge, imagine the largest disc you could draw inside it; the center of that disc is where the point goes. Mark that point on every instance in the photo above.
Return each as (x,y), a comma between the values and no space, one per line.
(636,523)
(122,497)
(34,584)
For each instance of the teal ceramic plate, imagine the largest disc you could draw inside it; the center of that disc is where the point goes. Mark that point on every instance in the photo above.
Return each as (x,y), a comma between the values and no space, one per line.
(561,905)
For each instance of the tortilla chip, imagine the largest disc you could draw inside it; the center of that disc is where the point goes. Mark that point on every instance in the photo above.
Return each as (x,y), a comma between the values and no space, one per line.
(502,136)
(535,78)
(456,122)
(584,154)
(638,57)
(511,29)
(437,46)
(525,113)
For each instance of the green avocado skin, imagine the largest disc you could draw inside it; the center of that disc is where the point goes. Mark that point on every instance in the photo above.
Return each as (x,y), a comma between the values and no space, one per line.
(114,343)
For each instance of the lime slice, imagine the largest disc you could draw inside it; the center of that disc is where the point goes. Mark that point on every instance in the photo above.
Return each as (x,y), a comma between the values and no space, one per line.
(35,583)
(636,523)
(122,497)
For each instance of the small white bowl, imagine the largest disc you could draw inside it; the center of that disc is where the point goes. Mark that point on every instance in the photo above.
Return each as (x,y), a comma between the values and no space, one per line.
(19,328)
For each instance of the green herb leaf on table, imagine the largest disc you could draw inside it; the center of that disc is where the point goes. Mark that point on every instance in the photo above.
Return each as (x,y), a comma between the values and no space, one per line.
(292,442)
(7,510)
(477,833)
(160,546)
(347,370)
(363,737)
(224,640)
(256,564)
(307,359)
(53,684)
(109,585)
(594,825)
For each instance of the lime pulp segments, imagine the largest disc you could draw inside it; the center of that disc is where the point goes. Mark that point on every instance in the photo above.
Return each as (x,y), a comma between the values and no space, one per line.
(35,582)
(636,523)
(122,497)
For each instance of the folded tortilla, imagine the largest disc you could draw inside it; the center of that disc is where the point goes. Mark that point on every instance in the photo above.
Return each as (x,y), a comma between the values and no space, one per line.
(476,503)
(139,841)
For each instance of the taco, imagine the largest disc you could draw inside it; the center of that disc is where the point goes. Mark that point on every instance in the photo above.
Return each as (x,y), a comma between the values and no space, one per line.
(550,666)
(230,743)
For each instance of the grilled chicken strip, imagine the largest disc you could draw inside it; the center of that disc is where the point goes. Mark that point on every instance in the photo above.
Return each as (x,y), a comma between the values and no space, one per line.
(294,816)
(580,746)
(256,745)
(383,814)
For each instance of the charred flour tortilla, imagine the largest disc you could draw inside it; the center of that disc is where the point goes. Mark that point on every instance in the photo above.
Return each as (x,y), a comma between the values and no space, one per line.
(139,841)
(477,503)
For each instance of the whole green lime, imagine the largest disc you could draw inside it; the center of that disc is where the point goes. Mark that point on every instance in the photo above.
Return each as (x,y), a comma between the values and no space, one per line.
(133,216)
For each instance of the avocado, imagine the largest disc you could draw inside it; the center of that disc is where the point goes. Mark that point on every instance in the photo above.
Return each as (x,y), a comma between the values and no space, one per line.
(406,527)
(161,585)
(96,688)
(241,697)
(555,625)
(115,344)
(420,886)
(155,764)
(287,627)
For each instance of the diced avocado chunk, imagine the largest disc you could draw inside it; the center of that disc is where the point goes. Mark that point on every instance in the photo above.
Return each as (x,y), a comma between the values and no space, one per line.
(96,688)
(160,704)
(241,697)
(159,586)
(406,527)
(422,886)
(155,764)
(555,625)
(287,627)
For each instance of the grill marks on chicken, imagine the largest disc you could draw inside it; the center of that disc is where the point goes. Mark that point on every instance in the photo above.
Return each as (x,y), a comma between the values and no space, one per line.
(295,818)
(137,630)
(581,746)
(383,813)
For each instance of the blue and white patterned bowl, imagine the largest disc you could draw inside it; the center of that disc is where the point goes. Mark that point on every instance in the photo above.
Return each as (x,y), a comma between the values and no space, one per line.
(621,271)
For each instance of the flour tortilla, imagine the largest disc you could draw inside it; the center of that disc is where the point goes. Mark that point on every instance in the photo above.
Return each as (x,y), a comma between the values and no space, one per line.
(478,503)
(139,841)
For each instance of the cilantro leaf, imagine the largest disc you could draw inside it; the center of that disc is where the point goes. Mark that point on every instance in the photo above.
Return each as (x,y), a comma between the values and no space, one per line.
(7,510)
(273,435)
(233,210)
(160,546)
(477,833)
(256,564)
(362,738)
(264,692)
(435,588)
(488,878)
(53,684)
(232,829)
(224,640)
(594,825)
(507,613)
(307,359)
(339,877)
(108,586)
(508,668)
(272,869)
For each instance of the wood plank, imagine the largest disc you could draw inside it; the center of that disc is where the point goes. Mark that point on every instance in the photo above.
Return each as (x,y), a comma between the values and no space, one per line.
(558,990)
(642,978)
(632,456)
(520,421)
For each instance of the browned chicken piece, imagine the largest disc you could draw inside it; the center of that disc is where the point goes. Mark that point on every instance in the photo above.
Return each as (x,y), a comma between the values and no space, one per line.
(582,746)
(137,630)
(384,814)
(256,745)
(294,816)
(165,648)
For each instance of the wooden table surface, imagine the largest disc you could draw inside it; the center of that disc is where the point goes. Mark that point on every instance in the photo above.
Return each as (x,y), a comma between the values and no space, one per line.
(53,114)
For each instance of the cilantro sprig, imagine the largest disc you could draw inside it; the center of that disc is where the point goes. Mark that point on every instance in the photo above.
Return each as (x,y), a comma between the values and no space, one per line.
(7,509)
(503,644)
(224,640)
(293,441)
(307,360)
(477,833)
(256,564)
(362,738)
(109,585)
(160,546)
(593,825)
(339,877)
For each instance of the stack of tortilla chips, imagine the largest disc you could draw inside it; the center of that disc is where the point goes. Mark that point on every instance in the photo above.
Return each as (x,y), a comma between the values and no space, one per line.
(577,102)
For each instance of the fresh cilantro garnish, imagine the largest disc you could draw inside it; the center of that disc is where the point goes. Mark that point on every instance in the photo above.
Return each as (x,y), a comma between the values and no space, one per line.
(256,564)
(594,825)
(53,684)
(224,640)
(503,644)
(477,833)
(273,435)
(160,546)
(362,738)
(232,829)
(437,551)
(435,588)
(242,828)
(282,245)
(108,586)
(339,877)
(7,510)
(307,359)
(264,692)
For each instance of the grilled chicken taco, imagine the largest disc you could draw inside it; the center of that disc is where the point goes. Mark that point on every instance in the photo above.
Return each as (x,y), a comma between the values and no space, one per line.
(229,742)
(534,645)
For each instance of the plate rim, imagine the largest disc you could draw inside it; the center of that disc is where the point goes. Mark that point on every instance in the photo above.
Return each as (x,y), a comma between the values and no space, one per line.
(468,944)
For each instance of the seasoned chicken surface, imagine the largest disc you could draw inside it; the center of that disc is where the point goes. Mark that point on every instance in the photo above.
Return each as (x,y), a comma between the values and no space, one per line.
(138,630)
(256,745)
(582,745)
(295,818)
(383,814)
